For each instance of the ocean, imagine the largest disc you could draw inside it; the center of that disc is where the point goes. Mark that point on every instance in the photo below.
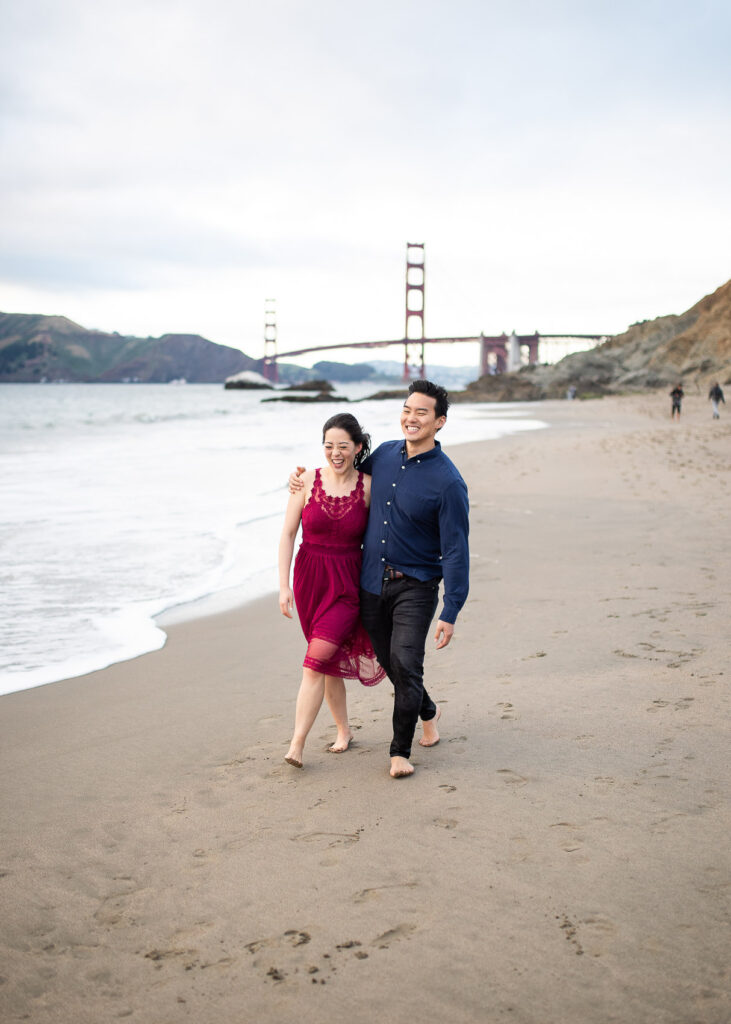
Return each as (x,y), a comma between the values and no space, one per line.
(126,507)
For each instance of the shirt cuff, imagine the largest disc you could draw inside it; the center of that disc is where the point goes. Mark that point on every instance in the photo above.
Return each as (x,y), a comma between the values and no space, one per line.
(448,615)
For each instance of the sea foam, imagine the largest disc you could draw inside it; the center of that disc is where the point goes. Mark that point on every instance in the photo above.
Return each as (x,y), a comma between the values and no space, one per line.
(124,502)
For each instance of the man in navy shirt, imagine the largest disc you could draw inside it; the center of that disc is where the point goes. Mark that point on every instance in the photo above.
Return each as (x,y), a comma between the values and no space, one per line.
(417,535)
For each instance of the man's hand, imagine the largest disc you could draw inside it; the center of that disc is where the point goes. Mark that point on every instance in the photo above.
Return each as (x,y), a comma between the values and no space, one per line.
(294,482)
(444,633)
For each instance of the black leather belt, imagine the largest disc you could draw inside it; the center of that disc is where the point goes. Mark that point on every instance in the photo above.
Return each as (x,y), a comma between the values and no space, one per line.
(392,574)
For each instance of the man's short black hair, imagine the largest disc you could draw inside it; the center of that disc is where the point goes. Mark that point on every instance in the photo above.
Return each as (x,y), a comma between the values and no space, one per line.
(436,391)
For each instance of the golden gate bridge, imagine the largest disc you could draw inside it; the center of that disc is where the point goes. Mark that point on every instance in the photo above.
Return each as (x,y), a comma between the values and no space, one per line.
(498,353)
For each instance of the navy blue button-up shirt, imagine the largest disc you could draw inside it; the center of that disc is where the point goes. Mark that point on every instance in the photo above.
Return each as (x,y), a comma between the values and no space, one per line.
(418,522)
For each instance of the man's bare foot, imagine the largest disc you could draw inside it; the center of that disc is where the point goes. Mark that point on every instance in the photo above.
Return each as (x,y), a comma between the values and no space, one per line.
(400,768)
(294,756)
(342,743)
(431,735)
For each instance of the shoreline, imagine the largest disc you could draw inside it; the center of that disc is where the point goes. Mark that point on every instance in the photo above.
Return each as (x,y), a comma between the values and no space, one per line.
(151,630)
(560,855)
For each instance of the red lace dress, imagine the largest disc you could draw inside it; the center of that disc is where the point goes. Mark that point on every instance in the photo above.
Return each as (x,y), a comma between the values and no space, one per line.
(326,584)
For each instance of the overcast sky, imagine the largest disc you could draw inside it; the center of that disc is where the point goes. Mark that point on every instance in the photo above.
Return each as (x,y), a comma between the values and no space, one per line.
(168,165)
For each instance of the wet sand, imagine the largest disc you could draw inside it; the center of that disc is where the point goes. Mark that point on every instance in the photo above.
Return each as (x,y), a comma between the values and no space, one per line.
(561,855)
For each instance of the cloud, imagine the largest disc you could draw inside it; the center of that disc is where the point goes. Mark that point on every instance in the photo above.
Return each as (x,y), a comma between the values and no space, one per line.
(564,163)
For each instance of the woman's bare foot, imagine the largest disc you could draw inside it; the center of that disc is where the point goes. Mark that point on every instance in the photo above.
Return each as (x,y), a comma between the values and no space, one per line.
(342,743)
(431,735)
(294,756)
(400,768)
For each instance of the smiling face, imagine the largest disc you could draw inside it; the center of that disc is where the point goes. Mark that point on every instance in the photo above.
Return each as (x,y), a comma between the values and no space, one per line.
(340,450)
(420,423)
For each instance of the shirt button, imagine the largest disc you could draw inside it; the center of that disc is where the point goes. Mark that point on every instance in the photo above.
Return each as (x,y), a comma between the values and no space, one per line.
(388,502)
(383,542)
(383,559)
(393,485)
(403,467)
(385,522)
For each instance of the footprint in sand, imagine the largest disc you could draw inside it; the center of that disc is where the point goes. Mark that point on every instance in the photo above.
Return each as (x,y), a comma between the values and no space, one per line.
(663,825)
(572,838)
(511,777)
(268,719)
(258,944)
(160,956)
(124,907)
(328,838)
(375,891)
(679,705)
(569,930)
(596,932)
(237,762)
(447,788)
(282,957)
(400,931)
(180,808)
(521,849)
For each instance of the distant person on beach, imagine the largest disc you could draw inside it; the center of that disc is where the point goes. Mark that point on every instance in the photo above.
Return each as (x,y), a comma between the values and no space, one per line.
(571,392)
(417,535)
(677,397)
(716,395)
(333,509)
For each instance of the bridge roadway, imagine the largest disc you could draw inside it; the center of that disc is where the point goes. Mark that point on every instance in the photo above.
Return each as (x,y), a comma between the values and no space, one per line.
(496,344)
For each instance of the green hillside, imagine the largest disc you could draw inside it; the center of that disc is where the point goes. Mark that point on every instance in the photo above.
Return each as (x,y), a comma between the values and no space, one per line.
(35,348)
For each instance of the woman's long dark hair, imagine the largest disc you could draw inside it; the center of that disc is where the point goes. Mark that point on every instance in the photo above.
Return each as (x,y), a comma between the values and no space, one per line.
(347,422)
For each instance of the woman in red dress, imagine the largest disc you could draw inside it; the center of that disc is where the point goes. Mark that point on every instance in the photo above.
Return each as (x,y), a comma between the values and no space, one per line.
(333,510)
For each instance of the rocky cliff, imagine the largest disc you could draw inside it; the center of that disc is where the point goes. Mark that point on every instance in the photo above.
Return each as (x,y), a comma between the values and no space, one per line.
(36,348)
(694,347)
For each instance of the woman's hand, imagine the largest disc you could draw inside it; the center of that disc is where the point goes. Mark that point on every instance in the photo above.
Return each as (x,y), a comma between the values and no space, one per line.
(294,483)
(286,601)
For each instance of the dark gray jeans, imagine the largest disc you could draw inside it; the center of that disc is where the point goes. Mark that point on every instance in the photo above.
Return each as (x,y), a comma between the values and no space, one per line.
(397,620)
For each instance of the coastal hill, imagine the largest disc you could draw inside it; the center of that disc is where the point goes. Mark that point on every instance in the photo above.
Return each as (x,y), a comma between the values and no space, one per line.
(693,347)
(35,348)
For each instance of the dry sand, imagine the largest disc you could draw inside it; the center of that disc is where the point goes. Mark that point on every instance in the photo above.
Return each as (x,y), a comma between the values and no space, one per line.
(560,856)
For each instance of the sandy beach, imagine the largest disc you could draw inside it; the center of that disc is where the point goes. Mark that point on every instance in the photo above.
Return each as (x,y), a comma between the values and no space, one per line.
(560,856)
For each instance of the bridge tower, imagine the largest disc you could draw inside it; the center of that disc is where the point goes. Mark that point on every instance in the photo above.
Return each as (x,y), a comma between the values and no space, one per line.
(415,279)
(271,369)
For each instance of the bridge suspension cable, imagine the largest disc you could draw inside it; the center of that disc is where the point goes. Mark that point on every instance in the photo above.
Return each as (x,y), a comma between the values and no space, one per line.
(497,353)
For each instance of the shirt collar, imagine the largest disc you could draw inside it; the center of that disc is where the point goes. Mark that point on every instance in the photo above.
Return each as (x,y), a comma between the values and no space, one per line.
(431,454)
